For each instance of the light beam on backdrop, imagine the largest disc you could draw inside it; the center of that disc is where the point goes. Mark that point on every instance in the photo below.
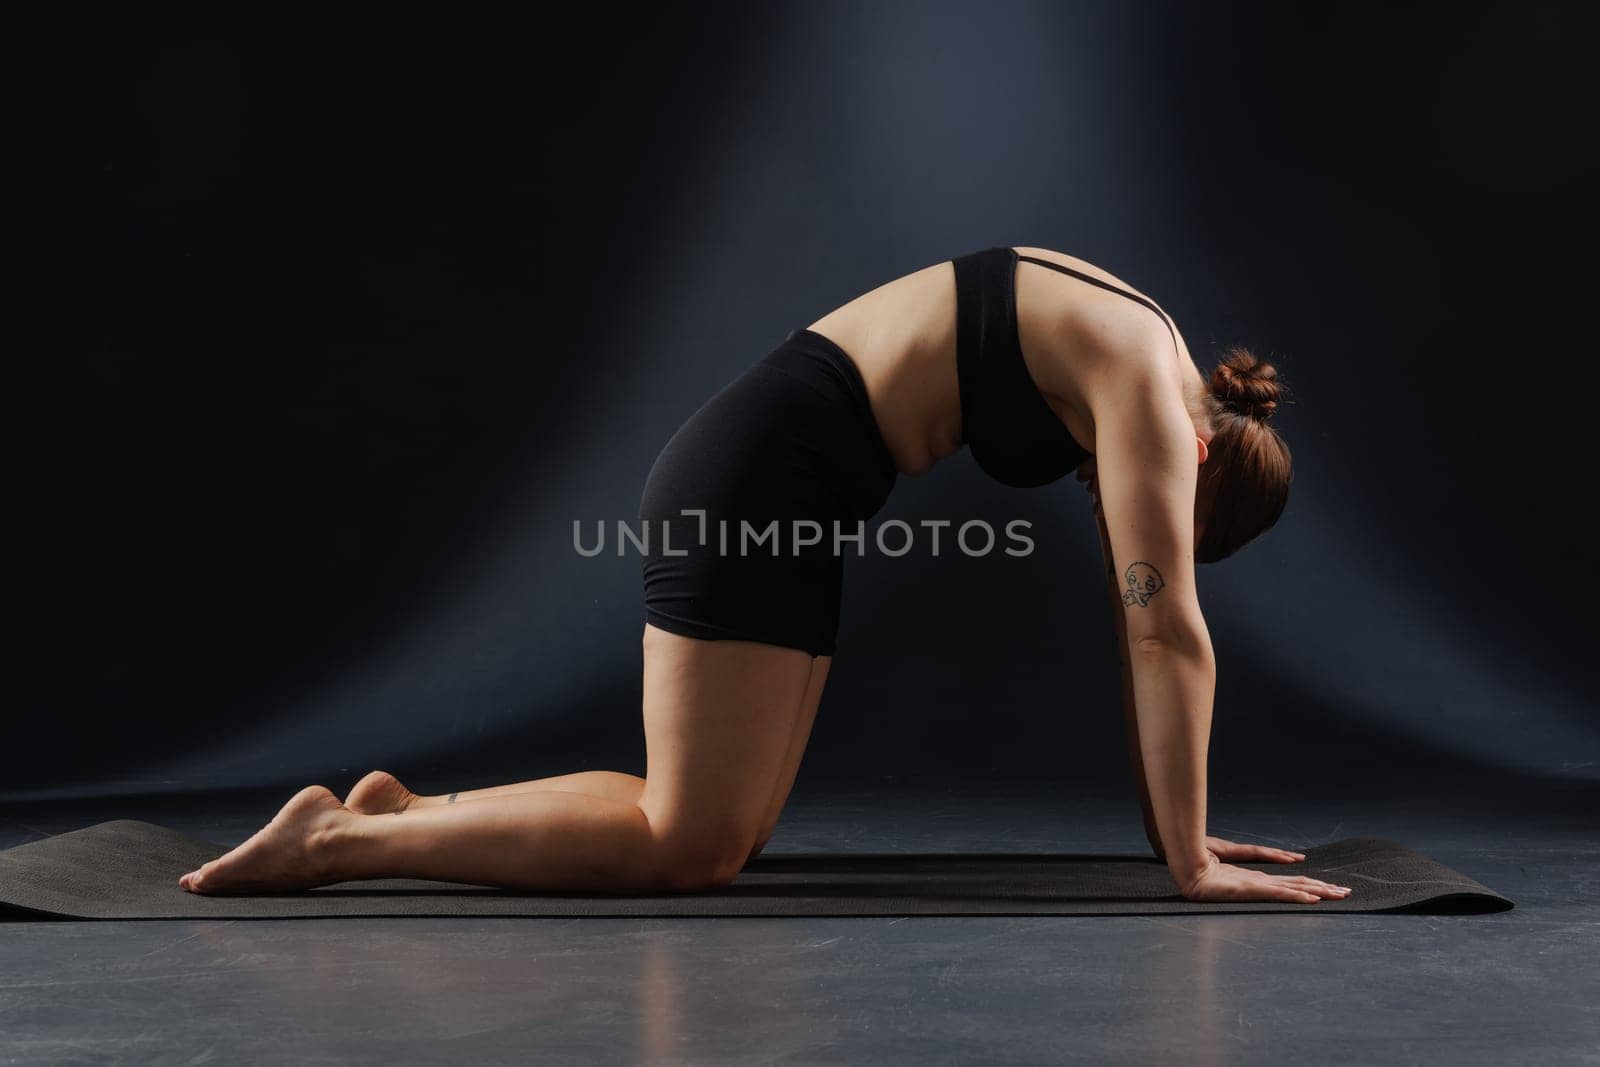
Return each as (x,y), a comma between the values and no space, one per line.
(859,142)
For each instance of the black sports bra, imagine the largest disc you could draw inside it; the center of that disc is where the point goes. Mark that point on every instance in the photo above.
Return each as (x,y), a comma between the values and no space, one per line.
(1013,433)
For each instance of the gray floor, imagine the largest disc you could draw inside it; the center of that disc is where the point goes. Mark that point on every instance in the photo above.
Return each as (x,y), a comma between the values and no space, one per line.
(1516,987)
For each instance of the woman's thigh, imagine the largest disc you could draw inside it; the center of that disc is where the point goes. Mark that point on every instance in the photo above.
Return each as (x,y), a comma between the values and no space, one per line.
(796,751)
(720,719)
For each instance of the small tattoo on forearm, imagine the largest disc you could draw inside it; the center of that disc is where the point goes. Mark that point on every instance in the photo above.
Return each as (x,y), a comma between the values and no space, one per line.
(1142,582)
(452,799)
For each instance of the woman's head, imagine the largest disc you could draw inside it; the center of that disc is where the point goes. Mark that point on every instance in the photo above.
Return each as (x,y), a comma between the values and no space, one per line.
(1244,482)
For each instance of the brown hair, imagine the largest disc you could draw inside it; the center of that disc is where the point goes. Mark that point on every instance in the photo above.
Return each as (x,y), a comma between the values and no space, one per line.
(1244,481)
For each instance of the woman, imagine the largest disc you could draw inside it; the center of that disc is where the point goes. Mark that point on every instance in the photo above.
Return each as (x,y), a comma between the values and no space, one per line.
(1043,365)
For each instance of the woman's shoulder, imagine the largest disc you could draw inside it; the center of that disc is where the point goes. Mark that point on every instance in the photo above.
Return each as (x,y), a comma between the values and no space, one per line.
(1098,324)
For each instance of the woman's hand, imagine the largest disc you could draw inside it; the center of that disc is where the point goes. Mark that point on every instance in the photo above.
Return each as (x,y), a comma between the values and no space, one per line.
(1232,852)
(1219,881)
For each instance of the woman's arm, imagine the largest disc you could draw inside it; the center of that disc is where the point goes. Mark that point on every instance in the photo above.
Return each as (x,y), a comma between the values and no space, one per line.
(1219,847)
(1146,460)
(1125,668)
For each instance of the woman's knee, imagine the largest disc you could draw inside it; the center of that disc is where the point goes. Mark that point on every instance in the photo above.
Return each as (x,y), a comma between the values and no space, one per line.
(694,861)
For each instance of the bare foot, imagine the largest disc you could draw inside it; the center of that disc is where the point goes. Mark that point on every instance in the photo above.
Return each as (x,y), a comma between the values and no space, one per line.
(284,854)
(380,793)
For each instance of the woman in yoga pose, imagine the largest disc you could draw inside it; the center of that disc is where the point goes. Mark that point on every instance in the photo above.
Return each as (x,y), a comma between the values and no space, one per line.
(1043,365)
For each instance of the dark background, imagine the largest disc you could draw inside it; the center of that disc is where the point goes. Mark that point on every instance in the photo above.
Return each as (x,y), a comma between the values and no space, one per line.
(348,317)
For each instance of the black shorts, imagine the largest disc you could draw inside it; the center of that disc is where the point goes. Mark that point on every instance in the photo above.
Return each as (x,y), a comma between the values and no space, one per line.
(788,453)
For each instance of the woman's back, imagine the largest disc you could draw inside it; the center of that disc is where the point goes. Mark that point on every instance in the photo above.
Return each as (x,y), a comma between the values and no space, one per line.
(903,338)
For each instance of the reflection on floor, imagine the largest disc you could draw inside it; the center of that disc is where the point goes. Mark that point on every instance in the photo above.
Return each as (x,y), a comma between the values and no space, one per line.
(1520,986)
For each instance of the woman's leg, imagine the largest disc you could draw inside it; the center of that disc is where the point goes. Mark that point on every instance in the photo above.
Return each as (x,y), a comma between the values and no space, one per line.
(797,750)
(381,793)
(720,719)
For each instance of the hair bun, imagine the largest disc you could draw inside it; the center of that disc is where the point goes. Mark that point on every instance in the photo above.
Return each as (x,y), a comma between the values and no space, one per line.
(1246,385)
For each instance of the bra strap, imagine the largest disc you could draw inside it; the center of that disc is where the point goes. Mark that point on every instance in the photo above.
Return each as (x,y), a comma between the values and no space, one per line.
(1092,280)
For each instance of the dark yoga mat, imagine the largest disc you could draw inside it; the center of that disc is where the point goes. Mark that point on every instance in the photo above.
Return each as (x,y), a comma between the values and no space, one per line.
(126,869)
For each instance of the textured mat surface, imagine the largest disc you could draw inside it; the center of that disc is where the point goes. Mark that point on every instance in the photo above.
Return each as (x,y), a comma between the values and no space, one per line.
(126,869)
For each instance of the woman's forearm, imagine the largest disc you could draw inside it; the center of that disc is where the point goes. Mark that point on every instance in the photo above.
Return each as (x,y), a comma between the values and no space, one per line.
(1173,686)
(1130,719)
(1166,744)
